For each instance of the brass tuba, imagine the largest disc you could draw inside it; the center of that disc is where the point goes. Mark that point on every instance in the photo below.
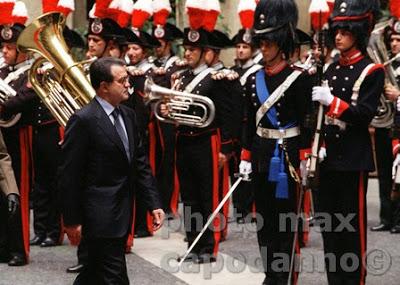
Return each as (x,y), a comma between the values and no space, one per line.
(64,88)
(379,54)
(183,108)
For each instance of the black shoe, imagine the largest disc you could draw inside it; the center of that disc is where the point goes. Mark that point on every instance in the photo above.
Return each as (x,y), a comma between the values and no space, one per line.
(36,240)
(17,260)
(48,242)
(75,268)
(381,228)
(395,229)
(190,258)
(205,258)
(140,234)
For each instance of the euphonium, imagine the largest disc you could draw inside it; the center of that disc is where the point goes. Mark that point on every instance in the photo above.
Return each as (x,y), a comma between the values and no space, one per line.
(64,88)
(379,54)
(183,108)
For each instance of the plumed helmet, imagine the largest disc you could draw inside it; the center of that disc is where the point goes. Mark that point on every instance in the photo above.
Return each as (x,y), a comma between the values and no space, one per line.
(357,16)
(276,21)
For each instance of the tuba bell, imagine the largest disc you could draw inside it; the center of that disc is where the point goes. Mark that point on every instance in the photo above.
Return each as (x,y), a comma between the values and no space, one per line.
(378,53)
(65,87)
(183,108)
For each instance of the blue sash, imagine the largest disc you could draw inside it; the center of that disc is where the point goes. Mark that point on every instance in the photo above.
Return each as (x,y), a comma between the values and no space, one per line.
(277,172)
(263,95)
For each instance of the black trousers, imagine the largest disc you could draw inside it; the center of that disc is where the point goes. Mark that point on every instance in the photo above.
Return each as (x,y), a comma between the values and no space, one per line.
(46,155)
(384,159)
(11,242)
(275,232)
(243,197)
(82,252)
(343,194)
(166,161)
(106,263)
(197,167)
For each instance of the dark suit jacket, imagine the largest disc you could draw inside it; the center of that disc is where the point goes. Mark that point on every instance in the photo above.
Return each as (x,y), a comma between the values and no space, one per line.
(97,181)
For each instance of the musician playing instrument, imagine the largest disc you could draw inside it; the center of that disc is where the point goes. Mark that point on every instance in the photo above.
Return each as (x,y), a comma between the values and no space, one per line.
(38,135)
(16,137)
(200,149)
(390,201)
(355,85)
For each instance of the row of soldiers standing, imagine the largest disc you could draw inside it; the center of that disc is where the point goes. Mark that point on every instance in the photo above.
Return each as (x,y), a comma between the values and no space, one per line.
(247,135)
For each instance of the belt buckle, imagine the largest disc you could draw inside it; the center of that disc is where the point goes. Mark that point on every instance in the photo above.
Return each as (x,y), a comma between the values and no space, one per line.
(282,133)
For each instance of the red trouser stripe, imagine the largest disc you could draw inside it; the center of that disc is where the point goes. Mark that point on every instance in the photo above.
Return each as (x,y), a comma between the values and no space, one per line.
(25,147)
(215,198)
(361,209)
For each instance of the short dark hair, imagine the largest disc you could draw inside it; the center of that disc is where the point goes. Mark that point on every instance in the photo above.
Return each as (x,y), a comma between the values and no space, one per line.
(100,70)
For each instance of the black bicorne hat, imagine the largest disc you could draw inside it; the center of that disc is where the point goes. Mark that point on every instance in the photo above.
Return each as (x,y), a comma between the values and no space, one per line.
(72,38)
(168,32)
(196,38)
(276,21)
(243,36)
(107,29)
(10,33)
(302,38)
(219,40)
(140,38)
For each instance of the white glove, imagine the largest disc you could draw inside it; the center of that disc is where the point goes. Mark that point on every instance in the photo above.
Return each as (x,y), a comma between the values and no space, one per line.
(321,154)
(396,164)
(322,94)
(398,103)
(245,169)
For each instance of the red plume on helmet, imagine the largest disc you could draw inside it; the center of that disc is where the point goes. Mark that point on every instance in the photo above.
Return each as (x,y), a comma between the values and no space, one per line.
(101,8)
(49,5)
(213,9)
(142,11)
(319,13)
(62,6)
(331,4)
(6,8)
(195,11)
(120,11)
(20,13)
(394,7)
(245,11)
(161,9)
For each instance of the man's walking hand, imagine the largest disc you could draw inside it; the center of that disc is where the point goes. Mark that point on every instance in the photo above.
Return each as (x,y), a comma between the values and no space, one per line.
(158,218)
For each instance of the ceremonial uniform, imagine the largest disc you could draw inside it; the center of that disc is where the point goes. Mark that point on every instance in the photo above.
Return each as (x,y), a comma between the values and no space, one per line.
(275,139)
(291,111)
(45,153)
(18,141)
(355,85)
(197,158)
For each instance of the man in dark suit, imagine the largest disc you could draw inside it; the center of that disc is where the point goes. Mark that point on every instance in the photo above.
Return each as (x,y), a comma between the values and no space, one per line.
(104,161)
